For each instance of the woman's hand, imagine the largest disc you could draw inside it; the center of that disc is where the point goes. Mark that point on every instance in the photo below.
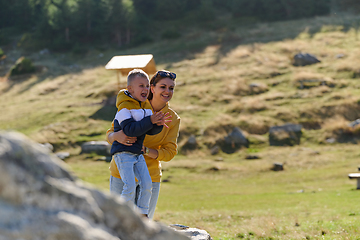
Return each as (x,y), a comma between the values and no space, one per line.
(121,138)
(160,118)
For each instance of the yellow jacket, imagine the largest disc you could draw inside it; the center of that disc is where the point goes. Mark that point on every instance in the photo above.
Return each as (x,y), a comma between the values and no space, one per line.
(165,143)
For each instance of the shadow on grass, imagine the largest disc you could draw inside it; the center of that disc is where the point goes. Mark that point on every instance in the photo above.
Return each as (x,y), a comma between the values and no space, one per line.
(105,113)
(41,76)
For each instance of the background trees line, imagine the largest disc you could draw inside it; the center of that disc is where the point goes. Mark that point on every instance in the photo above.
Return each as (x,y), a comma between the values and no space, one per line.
(66,24)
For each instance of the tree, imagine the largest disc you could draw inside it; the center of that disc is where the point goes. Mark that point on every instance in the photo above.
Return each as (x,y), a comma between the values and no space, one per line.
(271,10)
(145,7)
(60,14)
(348,5)
(89,20)
(243,8)
(206,10)
(120,20)
(84,15)
(5,14)
(15,13)
(170,9)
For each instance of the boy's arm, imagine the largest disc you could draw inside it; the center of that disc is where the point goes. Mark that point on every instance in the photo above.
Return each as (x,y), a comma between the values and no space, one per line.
(155,130)
(131,127)
(119,136)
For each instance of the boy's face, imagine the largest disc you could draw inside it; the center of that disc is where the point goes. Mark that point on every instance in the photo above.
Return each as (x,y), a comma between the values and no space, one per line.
(139,88)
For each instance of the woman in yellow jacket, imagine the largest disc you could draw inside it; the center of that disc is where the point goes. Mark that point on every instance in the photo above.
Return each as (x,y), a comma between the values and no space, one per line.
(157,148)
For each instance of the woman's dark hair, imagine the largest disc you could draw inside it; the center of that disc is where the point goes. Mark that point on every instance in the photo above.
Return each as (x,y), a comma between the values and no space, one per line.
(161,74)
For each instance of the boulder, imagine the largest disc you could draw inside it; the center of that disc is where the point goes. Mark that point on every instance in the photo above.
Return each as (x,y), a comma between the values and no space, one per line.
(330,140)
(190,144)
(47,146)
(233,141)
(252,157)
(277,167)
(340,55)
(105,158)
(303,59)
(193,233)
(355,124)
(215,150)
(98,147)
(41,199)
(285,135)
(62,155)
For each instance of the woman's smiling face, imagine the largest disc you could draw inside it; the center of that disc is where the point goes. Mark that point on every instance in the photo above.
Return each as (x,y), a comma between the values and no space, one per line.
(163,90)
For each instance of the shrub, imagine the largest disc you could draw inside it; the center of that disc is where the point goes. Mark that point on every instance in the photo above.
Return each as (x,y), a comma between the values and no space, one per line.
(23,65)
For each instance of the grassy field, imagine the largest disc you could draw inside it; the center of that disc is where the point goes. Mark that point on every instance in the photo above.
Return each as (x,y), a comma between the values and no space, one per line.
(235,198)
(226,194)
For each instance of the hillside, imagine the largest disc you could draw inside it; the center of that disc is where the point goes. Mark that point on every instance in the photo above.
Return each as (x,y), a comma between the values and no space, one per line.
(215,71)
(67,103)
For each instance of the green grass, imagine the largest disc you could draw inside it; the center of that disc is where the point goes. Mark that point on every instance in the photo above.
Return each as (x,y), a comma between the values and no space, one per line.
(308,198)
(312,198)
(225,194)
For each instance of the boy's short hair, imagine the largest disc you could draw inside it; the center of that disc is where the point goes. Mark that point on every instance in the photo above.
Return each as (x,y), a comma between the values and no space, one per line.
(136,73)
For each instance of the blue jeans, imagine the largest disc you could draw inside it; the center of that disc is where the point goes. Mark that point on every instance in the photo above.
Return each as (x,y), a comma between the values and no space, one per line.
(130,166)
(116,186)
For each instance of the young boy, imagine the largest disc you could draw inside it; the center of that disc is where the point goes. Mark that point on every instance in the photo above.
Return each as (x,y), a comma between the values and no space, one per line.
(135,121)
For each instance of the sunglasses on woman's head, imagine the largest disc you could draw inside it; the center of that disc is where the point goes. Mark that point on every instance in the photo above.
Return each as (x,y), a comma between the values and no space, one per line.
(166,74)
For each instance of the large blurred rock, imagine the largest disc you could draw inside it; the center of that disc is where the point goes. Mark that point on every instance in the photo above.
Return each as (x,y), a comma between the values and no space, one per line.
(285,135)
(98,147)
(41,199)
(233,141)
(277,167)
(194,233)
(190,144)
(303,59)
(355,124)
